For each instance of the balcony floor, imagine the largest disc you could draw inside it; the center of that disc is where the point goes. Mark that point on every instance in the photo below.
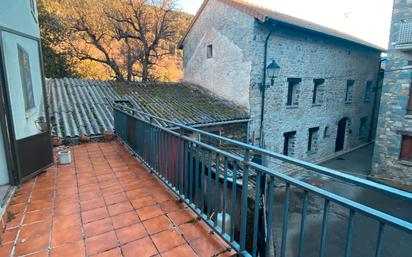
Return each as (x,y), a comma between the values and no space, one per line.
(104,204)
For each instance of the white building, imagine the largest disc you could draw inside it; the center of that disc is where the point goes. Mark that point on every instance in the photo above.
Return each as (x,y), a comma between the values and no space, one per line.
(25,145)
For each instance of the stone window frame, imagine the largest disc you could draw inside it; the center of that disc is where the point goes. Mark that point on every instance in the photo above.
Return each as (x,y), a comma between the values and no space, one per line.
(363,125)
(318,92)
(404,145)
(368,91)
(289,143)
(350,83)
(209,51)
(293,92)
(313,140)
(326,132)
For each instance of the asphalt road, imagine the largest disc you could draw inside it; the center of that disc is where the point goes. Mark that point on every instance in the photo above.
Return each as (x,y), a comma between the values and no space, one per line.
(395,243)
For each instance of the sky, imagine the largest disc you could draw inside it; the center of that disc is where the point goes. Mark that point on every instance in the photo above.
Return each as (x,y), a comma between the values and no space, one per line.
(365,19)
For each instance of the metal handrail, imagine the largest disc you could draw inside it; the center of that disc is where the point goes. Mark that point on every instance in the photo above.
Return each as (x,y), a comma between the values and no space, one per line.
(179,162)
(307,165)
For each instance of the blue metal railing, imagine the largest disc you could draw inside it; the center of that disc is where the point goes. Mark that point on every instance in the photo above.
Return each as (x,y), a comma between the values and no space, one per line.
(232,185)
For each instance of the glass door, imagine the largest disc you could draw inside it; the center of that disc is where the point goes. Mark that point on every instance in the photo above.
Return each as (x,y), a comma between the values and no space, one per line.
(24,85)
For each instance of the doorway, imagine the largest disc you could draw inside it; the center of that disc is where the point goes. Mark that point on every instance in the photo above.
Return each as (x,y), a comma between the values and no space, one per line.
(24,118)
(341,133)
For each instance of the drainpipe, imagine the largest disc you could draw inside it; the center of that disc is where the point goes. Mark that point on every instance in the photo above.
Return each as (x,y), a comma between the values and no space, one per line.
(263,87)
(375,100)
(262,237)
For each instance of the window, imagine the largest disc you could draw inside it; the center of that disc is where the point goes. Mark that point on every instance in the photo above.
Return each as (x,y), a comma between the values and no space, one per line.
(209,51)
(289,143)
(406,148)
(368,91)
(348,125)
(317,97)
(326,132)
(32,5)
(313,139)
(363,128)
(349,91)
(26,81)
(293,91)
(405,32)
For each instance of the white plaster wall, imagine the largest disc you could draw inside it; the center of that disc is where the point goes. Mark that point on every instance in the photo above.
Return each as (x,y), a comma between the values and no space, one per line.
(17,15)
(230,32)
(24,122)
(227,74)
(4,176)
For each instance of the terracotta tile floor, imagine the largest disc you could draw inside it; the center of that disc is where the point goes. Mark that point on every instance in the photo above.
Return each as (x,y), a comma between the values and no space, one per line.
(104,204)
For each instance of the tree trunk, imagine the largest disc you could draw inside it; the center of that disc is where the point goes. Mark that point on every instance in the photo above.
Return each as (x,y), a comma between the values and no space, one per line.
(145,70)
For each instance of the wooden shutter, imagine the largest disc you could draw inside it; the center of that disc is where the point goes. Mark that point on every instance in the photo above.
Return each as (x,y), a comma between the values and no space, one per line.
(406,148)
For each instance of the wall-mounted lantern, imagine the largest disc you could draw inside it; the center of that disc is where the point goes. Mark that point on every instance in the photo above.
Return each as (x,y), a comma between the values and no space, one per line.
(273,71)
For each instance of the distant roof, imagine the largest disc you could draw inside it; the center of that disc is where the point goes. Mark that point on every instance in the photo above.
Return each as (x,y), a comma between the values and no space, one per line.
(84,107)
(263,14)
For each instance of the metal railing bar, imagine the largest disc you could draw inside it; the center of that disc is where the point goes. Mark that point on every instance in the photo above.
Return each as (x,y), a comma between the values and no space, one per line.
(348,243)
(285,221)
(206,218)
(186,169)
(269,215)
(153,144)
(216,194)
(202,185)
(325,223)
(256,213)
(380,216)
(196,192)
(244,209)
(234,203)
(352,205)
(302,225)
(190,171)
(209,184)
(224,195)
(379,240)
(316,168)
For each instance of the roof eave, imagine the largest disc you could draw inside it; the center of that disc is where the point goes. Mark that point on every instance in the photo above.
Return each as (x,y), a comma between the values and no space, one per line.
(369,45)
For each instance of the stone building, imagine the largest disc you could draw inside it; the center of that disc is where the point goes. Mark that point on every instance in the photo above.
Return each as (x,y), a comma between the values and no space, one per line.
(321,101)
(393,149)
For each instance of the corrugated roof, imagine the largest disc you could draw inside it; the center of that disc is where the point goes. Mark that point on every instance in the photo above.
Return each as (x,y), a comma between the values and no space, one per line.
(264,14)
(85,107)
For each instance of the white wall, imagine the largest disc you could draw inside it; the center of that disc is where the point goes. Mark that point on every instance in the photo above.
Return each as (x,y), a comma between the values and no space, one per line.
(230,32)
(17,15)
(24,121)
(4,176)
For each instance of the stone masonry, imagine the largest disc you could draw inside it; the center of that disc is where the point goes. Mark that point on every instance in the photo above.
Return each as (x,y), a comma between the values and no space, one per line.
(393,119)
(235,72)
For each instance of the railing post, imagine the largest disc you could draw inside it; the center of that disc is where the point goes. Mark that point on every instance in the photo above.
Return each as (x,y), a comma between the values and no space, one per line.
(244,205)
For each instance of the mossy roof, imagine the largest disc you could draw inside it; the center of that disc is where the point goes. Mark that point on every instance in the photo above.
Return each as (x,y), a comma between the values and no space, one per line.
(84,107)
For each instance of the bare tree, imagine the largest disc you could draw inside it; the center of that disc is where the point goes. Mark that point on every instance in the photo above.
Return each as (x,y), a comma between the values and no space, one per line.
(129,36)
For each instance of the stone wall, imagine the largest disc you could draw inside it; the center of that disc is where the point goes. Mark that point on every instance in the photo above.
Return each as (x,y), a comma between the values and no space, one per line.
(308,57)
(236,131)
(227,73)
(393,118)
(235,72)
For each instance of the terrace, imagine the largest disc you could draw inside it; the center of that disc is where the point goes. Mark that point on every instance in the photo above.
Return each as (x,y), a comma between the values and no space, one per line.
(186,197)
(105,203)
